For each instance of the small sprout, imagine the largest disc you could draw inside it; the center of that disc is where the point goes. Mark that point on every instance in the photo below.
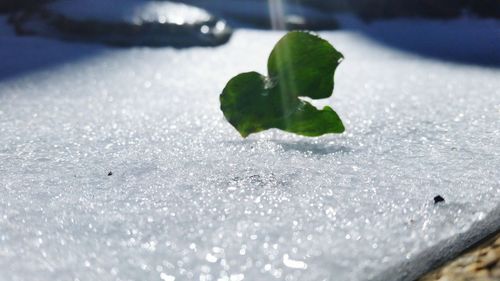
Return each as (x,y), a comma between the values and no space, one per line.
(300,65)
(438,199)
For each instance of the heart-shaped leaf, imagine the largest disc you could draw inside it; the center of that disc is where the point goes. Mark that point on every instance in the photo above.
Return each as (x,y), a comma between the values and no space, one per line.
(300,65)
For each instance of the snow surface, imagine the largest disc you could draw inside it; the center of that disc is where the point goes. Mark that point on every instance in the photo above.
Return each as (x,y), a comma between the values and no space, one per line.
(190,200)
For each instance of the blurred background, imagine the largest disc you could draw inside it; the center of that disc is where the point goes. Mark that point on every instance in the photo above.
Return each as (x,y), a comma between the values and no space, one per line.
(368,9)
(462,31)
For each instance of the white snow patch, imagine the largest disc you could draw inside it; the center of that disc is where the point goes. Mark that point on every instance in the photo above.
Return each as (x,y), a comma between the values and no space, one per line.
(356,206)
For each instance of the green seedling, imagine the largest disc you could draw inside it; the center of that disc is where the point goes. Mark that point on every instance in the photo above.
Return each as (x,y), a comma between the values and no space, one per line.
(300,65)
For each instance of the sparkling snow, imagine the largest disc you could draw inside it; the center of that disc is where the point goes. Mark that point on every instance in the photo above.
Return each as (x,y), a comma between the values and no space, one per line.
(188,199)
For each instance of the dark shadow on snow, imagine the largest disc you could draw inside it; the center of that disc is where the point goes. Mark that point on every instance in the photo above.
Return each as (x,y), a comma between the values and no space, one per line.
(24,55)
(465,40)
(301,146)
(313,148)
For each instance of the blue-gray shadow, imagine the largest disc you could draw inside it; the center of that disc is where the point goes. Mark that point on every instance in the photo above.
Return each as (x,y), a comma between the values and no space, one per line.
(28,54)
(301,146)
(307,147)
(469,41)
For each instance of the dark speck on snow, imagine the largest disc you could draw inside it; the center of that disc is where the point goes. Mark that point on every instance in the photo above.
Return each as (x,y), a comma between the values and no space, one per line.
(438,199)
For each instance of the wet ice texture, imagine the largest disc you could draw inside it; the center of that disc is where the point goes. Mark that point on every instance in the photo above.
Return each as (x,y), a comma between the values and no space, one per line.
(190,200)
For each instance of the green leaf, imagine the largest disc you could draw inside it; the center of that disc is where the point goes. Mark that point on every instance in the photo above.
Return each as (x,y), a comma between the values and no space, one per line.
(300,65)
(304,64)
(311,122)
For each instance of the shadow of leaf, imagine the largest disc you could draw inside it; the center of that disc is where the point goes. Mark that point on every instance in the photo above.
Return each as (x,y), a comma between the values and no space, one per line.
(313,148)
